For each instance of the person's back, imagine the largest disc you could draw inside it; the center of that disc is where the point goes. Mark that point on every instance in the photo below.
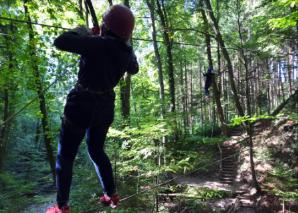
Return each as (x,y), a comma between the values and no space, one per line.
(104,59)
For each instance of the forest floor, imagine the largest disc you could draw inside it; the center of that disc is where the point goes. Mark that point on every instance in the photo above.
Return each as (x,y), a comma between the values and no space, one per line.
(272,150)
(276,164)
(40,207)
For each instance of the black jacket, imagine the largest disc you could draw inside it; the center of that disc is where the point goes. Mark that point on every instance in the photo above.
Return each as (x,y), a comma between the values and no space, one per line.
(104,60)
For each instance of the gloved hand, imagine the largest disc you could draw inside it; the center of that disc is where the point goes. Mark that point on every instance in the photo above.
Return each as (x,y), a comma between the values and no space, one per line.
(95,30)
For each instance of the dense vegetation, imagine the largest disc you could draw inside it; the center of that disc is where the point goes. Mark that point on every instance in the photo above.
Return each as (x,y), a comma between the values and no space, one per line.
(164,123)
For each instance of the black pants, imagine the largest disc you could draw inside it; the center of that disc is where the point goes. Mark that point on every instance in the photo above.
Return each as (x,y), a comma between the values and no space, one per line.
(84,113)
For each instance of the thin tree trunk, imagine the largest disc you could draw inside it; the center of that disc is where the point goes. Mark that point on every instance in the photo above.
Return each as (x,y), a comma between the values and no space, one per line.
(226,56)
(289,69)
(191,101)
(110,2)
(9,88)
(41,96)
(4,128)
(294,97)
(183,97)
(186,103)
(280,74)
(168,42)
(151,6)
(268,86)
(216,94)
(125,86)
(249,126)
(201,101)
(37,133)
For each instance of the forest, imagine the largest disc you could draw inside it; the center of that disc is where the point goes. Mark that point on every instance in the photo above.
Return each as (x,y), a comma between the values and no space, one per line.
(174,145)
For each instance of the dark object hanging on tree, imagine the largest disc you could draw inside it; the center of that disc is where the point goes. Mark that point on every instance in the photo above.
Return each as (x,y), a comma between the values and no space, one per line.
(208,80)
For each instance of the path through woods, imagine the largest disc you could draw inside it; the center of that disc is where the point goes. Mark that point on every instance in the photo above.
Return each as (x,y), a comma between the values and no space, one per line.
(234,173)
(230,176)
(47,200)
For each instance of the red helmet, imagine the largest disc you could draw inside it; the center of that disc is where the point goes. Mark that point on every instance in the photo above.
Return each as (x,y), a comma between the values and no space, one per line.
(120,21)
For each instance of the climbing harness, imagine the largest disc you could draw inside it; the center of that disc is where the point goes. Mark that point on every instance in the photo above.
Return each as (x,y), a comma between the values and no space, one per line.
(80,87)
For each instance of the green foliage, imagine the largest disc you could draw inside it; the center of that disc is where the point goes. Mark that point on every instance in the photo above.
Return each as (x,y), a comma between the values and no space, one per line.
(286,195)
(237,120)
(149,147)
(206,193)
(285,182)
(285,21)
(15,193)
(207,130)
(280,170)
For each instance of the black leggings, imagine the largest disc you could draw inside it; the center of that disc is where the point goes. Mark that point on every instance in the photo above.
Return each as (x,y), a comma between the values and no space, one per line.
(84,113)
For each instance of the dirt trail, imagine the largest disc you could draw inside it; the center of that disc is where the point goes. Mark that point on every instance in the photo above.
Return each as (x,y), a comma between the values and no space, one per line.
(234,173)
(48,200)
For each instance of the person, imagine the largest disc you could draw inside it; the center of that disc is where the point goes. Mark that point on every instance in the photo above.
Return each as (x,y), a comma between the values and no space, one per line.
(208,80)
(89,106)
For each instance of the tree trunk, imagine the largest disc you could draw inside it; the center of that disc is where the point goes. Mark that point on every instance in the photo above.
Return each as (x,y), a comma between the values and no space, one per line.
(4,128)
(186,96)
(251,159)
(41,96)
(202,100)
(183,98)
(37,132)
(249,126)
(191,101)
(168,42)
(8,93)
(216,93)
(289,69)
(110,2)
(226,56)
(151,6)
(280,80)
(294,97)
(125,84)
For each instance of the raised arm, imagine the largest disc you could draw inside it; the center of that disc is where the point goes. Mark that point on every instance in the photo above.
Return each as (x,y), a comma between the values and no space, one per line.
(78,40)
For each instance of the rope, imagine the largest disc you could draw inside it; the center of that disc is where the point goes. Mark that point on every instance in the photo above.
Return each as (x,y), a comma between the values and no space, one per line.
(64,28)
(31,22)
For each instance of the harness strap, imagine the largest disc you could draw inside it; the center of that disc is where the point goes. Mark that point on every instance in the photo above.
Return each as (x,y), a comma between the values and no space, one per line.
(95,92)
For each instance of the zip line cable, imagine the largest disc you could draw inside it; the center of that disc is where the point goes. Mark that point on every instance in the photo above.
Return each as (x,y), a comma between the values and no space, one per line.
(32,22)
(64,28)
(134,38)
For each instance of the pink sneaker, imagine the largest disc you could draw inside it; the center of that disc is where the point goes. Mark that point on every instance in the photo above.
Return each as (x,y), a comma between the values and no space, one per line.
(55,209)
(110,201)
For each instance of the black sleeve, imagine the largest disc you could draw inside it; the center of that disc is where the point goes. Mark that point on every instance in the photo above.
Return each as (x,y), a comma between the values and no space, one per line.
(75,42)
(133,66)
